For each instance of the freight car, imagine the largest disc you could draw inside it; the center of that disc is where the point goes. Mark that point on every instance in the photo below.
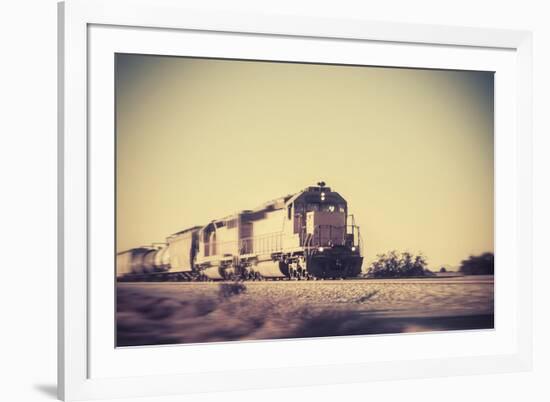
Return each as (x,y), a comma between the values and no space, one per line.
(307,235)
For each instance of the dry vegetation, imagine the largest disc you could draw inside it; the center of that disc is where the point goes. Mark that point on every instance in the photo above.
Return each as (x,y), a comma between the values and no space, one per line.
(169,313)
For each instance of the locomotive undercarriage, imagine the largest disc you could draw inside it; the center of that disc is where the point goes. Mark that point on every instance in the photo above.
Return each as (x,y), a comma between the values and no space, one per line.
(330,264)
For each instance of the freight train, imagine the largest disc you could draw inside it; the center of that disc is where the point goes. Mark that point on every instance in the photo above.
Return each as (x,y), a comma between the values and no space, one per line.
(307,235)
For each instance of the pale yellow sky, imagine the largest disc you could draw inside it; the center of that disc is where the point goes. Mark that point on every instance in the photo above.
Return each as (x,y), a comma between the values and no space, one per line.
(411,150)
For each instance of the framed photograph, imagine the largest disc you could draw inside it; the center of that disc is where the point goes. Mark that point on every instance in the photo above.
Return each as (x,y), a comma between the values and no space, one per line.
(253,201)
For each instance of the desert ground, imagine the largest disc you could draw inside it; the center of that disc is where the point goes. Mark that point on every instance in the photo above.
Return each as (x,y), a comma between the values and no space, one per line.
(153,313)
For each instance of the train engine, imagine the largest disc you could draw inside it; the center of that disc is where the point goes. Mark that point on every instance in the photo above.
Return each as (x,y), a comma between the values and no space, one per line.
(307,235)
(329,240)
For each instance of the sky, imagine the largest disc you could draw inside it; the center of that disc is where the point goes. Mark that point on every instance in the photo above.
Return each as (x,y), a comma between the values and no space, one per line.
(411,150)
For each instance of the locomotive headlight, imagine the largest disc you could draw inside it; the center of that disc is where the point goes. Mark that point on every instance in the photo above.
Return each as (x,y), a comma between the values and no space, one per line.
(322,196)
(353,248)
(321,249)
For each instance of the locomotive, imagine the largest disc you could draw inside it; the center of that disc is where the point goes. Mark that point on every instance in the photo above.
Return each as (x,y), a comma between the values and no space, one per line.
(306,235)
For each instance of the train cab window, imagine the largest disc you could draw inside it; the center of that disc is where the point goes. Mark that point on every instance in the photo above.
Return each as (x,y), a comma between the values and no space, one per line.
(328,207)
(312,207)
(289,211)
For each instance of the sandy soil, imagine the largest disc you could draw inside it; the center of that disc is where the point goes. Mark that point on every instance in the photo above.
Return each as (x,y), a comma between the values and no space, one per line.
(169,313)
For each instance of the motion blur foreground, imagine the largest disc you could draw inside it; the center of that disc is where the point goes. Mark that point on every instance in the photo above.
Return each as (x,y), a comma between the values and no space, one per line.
(307,235)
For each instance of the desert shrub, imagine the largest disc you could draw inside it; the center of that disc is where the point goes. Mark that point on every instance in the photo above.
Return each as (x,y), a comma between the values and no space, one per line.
(483,264)
(398,265)
(231,289)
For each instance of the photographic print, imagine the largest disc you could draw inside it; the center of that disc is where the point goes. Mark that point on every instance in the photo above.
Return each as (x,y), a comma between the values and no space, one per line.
(264,200)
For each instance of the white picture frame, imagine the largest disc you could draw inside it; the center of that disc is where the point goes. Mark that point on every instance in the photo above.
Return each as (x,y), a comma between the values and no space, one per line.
(77,331)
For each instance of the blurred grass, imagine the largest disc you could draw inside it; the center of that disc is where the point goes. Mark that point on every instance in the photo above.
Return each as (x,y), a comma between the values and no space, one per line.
(157,313)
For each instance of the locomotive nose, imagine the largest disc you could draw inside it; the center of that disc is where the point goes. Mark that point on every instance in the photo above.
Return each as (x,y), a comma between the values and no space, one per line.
(336,262)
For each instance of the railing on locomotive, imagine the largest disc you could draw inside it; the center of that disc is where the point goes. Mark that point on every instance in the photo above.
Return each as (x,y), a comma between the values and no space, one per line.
(267,243)
(324,235)
(329,235)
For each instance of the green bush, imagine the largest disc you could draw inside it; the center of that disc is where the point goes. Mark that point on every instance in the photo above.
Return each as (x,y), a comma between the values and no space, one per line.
(483,264)
(398,265)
